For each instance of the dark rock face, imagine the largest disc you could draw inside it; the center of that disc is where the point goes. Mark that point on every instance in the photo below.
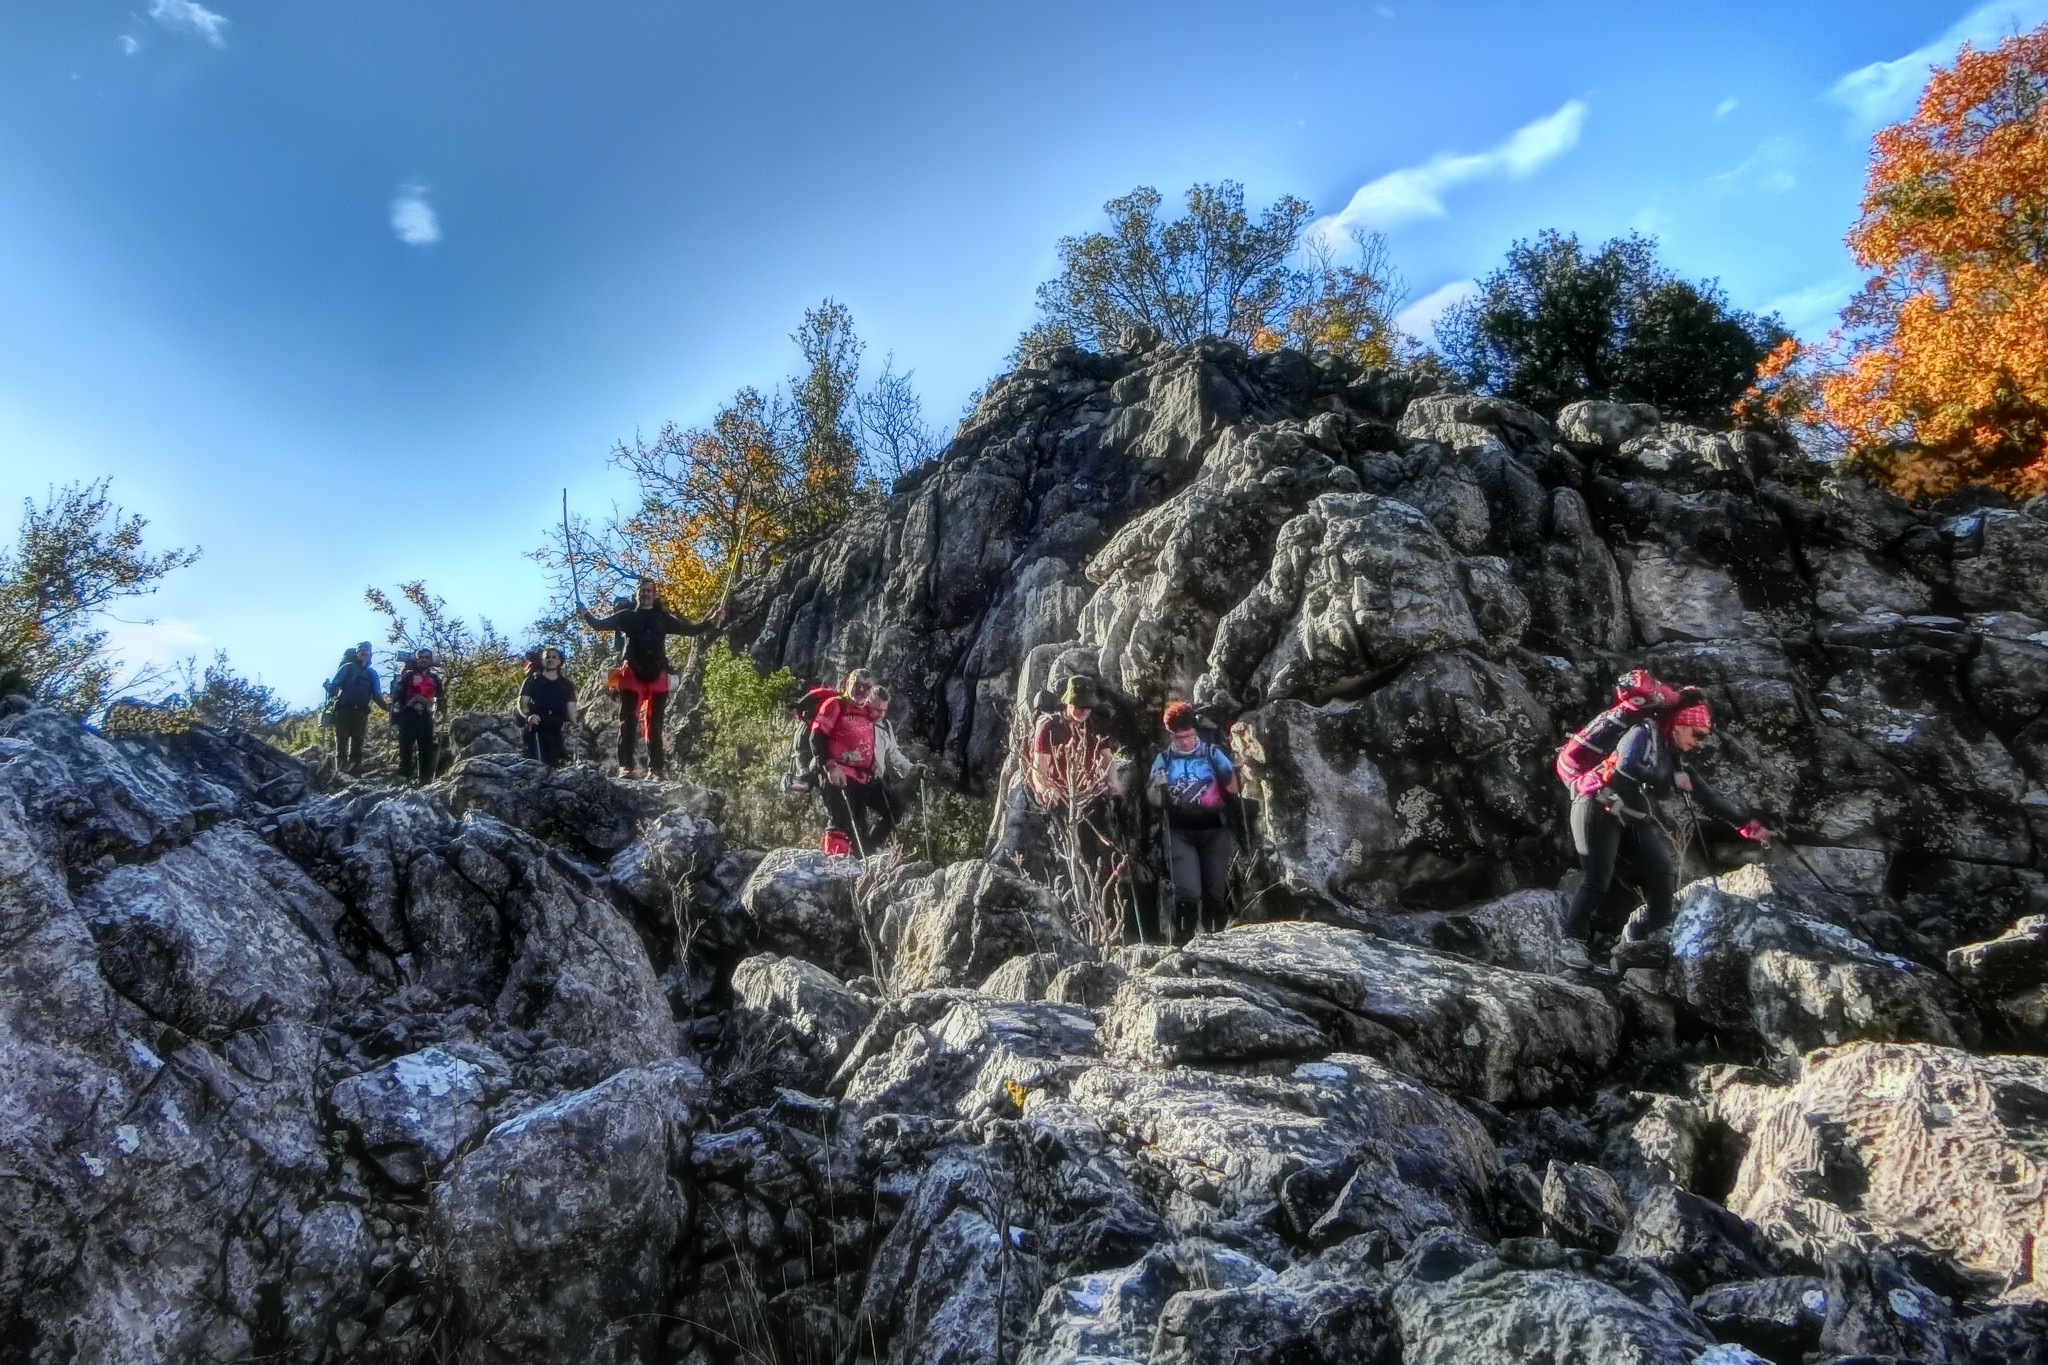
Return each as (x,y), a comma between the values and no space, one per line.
(530,1066)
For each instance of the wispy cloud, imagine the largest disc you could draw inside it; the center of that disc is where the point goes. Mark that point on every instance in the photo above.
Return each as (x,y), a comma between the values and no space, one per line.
(1417,191)
(130,44)
(1884,91)
(1419,318)
(413,218)
(1727,107)
(155,643)
(1766,170)
(1813,310)
(192,17)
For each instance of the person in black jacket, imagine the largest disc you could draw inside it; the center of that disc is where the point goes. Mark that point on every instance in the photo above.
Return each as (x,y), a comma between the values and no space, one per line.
(416,699)
(642,681)
(548,701)
(1621,817)
(352,691)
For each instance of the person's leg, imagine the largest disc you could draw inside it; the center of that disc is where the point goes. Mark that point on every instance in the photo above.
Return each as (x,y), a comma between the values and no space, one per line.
(839,817)
(1659,873)
(629,726)
(1213,849)
(1597,836)
(657,709)
(875,793)
(1184,865)
(554,751)
(427,747)
(340,715)
(408,745)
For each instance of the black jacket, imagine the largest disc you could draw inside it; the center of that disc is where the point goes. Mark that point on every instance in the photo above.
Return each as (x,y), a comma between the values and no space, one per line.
(548,698)
(647,630)
(1646,766)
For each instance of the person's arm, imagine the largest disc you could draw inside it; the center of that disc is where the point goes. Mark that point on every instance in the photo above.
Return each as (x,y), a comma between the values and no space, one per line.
(1634,759)
(1225,769)
(526,705)
(615,621)
(1718,804)
(1155,783)
(673,624)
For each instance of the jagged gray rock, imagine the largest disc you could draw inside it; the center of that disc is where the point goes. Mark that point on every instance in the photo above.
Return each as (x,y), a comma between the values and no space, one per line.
(1891,1140)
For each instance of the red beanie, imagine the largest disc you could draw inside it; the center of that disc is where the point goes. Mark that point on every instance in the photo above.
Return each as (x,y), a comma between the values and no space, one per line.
(1695,715)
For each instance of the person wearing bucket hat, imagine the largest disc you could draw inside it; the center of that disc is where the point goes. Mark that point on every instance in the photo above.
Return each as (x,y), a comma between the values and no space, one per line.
(1619,817)
(1080,699)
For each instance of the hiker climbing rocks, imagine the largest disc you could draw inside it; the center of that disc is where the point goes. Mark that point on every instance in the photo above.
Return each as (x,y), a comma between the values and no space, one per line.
(1615,813)
(851,753)
(547,699)
(1190,784)
(642,680)
(352,691)
(417,698)
(1079,702)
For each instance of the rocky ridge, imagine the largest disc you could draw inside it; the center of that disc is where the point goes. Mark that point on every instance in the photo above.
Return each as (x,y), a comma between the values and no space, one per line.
(527,1066)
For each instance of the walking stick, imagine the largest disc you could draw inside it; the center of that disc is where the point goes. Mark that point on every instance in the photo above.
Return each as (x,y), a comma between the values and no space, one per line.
(924,807)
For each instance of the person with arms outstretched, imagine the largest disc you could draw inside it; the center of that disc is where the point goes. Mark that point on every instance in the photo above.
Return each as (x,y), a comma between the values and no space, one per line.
(642,680)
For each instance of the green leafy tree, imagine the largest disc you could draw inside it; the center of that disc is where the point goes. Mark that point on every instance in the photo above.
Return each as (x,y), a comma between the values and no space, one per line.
(223,698)
(1557,323)
(478,665)
(1214,271)
(75,557)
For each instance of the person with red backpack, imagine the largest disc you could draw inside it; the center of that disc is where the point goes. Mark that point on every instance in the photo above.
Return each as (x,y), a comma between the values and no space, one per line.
(416,699)
(843,752)
(1615,814)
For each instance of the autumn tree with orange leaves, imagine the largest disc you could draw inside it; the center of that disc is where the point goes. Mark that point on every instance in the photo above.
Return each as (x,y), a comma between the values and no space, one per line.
(1938,374)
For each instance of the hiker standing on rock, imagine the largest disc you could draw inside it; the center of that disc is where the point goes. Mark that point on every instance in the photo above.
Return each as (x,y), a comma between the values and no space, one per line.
(642,681)
(1190,784)
(417,698)
(1618,815)
(548,701)
(352,691)
(850,752)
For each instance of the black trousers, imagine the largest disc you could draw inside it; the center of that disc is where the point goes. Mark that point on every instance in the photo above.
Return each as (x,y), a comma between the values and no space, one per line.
(1200,867)
(862,811)
(629,730)
(415,738)
(351,728)
(545,743)
(1601,840)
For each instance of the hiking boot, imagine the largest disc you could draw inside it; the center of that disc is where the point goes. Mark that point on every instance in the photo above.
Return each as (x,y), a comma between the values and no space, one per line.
(1652,950)
(627,774)
(1572,953)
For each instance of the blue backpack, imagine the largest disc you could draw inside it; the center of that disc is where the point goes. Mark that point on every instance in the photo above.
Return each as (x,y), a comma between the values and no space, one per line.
(355,685)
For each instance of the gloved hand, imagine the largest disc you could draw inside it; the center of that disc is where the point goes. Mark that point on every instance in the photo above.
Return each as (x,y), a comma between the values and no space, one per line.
(1755,832)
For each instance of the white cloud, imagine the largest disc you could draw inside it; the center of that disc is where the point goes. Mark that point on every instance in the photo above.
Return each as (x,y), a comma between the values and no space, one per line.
(1884,91)
(157,643)
(191,16)
(413,218)
(1766,170)
(1384,11)
(1419,318)
(1727,107)
(130,44)
(1812,311)
(1417,191)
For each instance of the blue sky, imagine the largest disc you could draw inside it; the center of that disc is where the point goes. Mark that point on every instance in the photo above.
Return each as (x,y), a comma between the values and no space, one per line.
(347,293)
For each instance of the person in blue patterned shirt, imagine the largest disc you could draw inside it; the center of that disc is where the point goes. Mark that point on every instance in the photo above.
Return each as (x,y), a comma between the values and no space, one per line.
(1189,784)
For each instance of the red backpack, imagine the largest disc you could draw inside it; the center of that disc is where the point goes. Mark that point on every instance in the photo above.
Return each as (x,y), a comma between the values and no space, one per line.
(1581,759)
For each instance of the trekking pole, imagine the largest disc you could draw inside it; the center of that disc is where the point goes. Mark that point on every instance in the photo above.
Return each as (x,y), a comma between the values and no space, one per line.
(569,553)
(924,808)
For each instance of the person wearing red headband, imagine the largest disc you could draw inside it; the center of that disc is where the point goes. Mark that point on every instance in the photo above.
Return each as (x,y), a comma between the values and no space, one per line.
(1620,817)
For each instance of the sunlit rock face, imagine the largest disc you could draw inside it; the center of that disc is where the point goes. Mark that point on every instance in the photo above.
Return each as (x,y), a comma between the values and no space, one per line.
(531,1066)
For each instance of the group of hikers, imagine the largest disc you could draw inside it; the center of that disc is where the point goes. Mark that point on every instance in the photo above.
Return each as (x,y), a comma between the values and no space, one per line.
(1621,768)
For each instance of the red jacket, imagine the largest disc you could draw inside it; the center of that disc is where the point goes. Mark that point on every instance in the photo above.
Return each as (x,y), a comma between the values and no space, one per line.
(848,734)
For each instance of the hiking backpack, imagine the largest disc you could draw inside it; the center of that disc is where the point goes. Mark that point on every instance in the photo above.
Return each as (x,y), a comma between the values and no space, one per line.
(799,774)
(1581,762)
